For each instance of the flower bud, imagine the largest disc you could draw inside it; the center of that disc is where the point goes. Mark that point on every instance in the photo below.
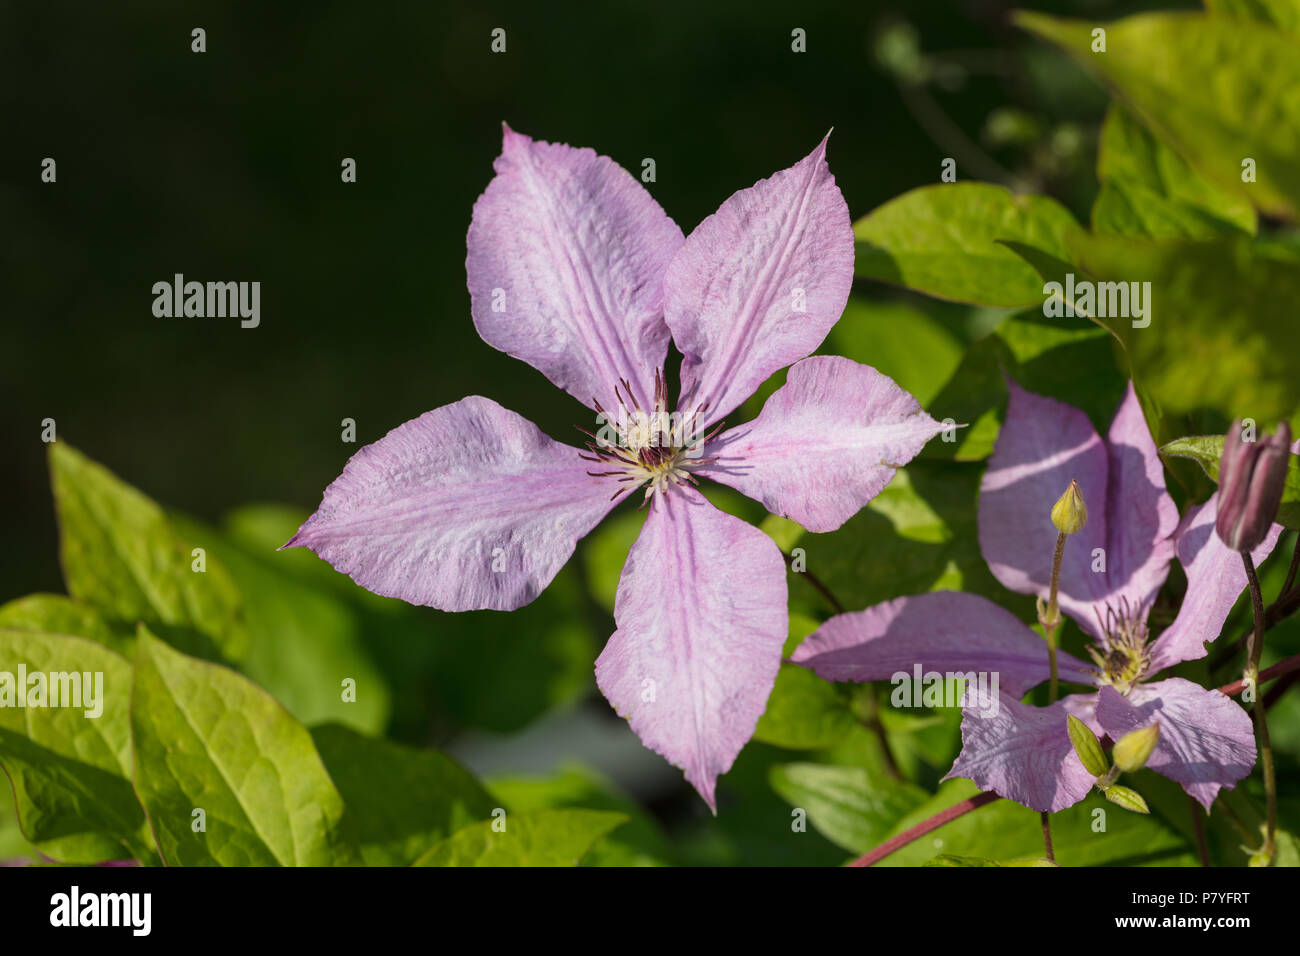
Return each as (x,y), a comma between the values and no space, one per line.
(1087,746)
(1133,750)
(1127,798)
(1070,514)
(1252,476)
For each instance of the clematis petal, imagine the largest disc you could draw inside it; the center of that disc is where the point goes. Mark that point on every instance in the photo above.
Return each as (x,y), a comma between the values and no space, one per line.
(759,283)
(1123,553)
(1043,446)
(1216,577)
(945,632)
(701,613)
(1206,740)
(1140,515)
(468,506)
(825,443)
(567,253)
(1024,753)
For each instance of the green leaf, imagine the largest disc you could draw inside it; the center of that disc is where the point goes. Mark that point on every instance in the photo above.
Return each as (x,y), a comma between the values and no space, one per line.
(1220,313)
(307,640)
(1125,208)
(898,340)
(783,531)
(208,739)
(398,800)
(801,625)
(804,712)
(443,670)
(1005,830)
(604,552)
(917,535)
(1283,14)
(1216,89)
(1071,359)
(15,850)
(122,556)
(540,838)
(71,773)
(1207,451)
(638,842)
(1149,190)
(847,805)
(542,653)
(56,614)
(1288,849)
(945,241)
(924,741)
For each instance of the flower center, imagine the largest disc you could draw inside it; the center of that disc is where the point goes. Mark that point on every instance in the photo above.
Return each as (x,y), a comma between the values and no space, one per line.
(651,447)
(1121,655)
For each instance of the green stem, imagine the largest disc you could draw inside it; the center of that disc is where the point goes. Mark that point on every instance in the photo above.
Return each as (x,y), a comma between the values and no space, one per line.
(1051,660)
(1051,621)
(1198,827)
(1256,650)
(1255,646)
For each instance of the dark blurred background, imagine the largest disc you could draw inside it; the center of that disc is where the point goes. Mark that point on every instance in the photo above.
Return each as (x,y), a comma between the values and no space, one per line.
(225,165)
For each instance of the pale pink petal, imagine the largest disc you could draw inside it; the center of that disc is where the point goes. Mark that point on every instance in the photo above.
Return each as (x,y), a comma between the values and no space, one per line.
(701,614)
(1140,515)
(1206,739)
(468,506)
(825,443)
(1024,753)
(1123,552)
(567,254)
(945,632)
(1043,446)
(1216,577)
(759,283)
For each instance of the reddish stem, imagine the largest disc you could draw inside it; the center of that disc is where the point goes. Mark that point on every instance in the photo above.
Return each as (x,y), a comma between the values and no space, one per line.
(925,826)
(1277,670)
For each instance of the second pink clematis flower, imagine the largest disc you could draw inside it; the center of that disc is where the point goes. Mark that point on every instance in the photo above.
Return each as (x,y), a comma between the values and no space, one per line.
(575,269)
(1111,573)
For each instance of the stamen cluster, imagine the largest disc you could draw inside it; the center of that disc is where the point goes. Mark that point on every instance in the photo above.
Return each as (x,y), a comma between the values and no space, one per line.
(1122,657)
(647,447)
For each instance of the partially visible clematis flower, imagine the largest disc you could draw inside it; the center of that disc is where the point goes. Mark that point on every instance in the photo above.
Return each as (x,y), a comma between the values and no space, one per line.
(1111,572)
(576,270)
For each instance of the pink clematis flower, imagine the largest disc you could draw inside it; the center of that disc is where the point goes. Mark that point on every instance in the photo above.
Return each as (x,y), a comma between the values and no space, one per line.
(576,270)
(1111,573)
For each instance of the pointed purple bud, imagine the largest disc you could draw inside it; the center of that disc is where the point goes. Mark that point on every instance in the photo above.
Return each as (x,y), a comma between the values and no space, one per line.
(1252,475)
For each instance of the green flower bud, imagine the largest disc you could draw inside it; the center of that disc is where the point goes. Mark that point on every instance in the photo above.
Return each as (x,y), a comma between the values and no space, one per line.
(1133,750)
(1070,514)
(1087,746)
(1127,798)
